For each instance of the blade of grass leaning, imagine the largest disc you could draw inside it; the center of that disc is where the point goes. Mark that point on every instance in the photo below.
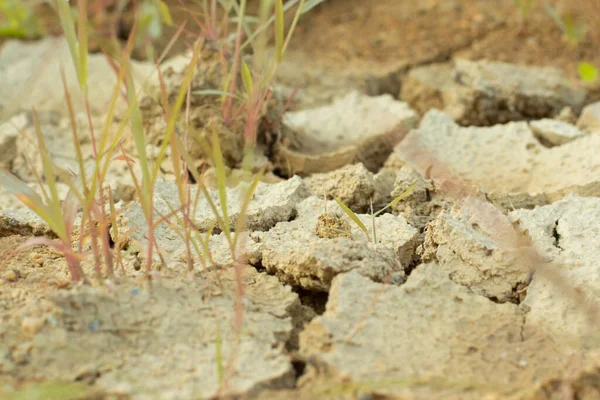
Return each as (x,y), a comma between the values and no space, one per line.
(47,165)
(241,221)
(217,156)
(82,44)
(198,178)
(30,198)
(165,14)
(74,131)
(262,28)
(175,111)
(398,199)
(48,168)
(310,4)
(68,26)
(247,78)
(299,12)
(259,48)
(279,29)
(353,217)
(139,139)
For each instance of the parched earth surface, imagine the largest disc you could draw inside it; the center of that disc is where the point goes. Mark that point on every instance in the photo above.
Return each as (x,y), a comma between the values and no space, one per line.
(483,282)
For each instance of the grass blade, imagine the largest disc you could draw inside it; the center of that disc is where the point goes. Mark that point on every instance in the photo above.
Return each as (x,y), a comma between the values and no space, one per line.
(293,26)
(27,196)
(68,25)
(404,195)
(217,156)
(83,45)
(353,217)
(310,4)
(175,111)
(279,29)
(247,78)
(241,222)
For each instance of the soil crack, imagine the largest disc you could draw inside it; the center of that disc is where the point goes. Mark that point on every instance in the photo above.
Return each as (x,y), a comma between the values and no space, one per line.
(556,235)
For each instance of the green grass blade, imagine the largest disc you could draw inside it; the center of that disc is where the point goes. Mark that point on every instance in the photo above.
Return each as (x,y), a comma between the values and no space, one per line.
(82,71)
(165,14)
(74,130)
(279,29)
(352,216)
(262,28)
(310,4)
(404,195)
(241,222)
(32,200)
(47,166)
(188,159)
(293,26)
(175,111)
(217,156)
(247,78)
(139,139)
(68,25)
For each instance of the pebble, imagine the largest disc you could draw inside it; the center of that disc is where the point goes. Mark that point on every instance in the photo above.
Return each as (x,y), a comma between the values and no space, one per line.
(32,325)
(11,275)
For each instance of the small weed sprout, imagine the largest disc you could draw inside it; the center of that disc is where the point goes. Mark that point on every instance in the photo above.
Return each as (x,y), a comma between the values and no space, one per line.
(573,28)
(373,237)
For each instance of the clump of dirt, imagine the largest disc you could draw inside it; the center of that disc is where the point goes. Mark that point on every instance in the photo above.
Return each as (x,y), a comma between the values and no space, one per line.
(332,226)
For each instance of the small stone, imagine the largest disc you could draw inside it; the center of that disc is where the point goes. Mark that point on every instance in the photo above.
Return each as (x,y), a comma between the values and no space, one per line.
(554,133)
(37,259)
(11,275)
(589,120)
(32,325)
(567,115)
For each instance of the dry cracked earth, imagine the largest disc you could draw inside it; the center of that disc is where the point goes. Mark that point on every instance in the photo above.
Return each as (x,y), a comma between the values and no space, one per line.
(483,283)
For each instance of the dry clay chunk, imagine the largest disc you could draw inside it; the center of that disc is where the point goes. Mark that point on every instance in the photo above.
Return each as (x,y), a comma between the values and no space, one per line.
(506,161)
(354,128)
(427,339)
(485,93)
(269,205)
(301,255)
(177,333)
(564,295)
